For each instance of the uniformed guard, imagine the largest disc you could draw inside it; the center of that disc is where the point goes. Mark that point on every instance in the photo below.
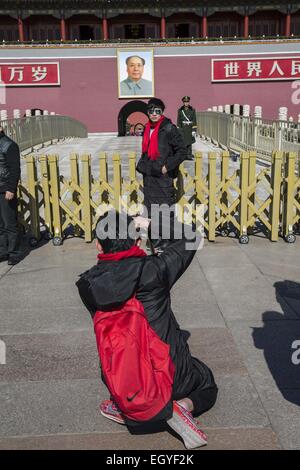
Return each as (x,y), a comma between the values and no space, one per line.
(187,122)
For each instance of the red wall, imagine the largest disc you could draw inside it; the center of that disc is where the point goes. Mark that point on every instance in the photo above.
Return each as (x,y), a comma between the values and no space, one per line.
(89,90)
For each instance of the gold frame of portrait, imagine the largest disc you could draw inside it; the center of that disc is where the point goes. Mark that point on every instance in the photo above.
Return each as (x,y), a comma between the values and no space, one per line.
(133,52)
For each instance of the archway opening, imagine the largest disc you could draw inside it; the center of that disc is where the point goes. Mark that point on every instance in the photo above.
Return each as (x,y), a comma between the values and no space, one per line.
(131,114)
(135,123)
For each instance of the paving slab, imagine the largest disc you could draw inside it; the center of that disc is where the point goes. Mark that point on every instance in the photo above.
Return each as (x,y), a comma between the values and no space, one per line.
(62,406)
(26,295)
(261,249)
(191,314)
(218,439)
(243,292)
(266,350)
(49,275)
(284,414)
(4,268)
(278,270)
(278,259)
(222,253)
(216,348)
(241,305)
(198,305)
(53,356)
(71,406)
(69,254)
(45,318)
(238,405)
(56,356)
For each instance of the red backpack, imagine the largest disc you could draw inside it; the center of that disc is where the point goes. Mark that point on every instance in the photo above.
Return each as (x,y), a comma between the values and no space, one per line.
(135,362)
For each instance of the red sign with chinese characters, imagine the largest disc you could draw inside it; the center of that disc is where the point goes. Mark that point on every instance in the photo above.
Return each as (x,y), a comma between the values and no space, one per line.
(255,69)
(29,74)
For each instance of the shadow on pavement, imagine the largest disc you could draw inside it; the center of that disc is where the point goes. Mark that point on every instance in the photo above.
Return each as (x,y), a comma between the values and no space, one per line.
(279,338)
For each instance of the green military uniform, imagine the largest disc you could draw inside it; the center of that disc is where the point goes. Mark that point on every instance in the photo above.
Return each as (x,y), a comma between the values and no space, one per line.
(187,122)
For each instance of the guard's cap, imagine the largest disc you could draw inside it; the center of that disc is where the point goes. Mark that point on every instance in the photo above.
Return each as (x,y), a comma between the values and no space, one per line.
(186,99)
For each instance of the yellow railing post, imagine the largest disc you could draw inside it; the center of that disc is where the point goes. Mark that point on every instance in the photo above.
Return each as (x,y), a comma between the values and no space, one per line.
(224,178)
(33,197)
(86,189)
(46,190)
(212,183)
(244,192)
(75,181)
(276,188)
(55,195)
(104,194)
(198,178)
(289,188)
(133,196)
(21,205)
(132,166)
(117,181)
(251,183)
(103,166)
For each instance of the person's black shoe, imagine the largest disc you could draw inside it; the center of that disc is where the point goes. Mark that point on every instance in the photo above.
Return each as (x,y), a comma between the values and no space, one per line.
(3,258)
(12,260)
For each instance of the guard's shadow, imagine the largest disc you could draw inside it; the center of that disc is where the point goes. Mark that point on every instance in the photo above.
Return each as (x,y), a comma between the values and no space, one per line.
(278,337)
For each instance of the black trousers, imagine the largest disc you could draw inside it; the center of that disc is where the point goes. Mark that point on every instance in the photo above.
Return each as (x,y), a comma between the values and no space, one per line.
(189,150)
(9,230)
(204,397)
(202,390)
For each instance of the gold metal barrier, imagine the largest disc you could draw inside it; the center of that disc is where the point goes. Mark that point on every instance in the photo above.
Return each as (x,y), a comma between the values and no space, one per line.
(243,198)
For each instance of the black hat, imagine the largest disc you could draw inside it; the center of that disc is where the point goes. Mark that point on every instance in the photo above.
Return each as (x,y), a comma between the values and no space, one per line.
(186,98)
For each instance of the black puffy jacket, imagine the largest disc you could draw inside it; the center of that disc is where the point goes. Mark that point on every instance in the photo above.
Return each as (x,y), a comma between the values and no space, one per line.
(159,188)
(9,164)
(109,284)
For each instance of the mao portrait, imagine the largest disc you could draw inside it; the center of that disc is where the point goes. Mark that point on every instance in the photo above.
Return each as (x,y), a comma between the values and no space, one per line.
(135,73)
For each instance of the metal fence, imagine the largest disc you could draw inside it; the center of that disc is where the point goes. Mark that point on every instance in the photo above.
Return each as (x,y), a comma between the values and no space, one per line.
(243,200)
(30,131)
(250,134)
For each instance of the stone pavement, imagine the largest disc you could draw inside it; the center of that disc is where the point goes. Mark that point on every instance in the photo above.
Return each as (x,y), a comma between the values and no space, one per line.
(241,304)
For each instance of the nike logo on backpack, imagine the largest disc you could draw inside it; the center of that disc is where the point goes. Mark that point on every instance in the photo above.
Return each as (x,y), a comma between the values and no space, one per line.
(133,396)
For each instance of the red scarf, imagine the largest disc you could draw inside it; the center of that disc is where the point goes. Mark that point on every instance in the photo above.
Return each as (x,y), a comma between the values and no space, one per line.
(150,144)
(134,251)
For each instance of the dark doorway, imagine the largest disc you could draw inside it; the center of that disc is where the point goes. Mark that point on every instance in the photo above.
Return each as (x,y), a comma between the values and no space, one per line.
(129,108)
(134,31)
(86,32)
(182,30)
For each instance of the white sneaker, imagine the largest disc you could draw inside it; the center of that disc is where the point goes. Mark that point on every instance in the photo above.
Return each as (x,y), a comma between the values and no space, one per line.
(184,424)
